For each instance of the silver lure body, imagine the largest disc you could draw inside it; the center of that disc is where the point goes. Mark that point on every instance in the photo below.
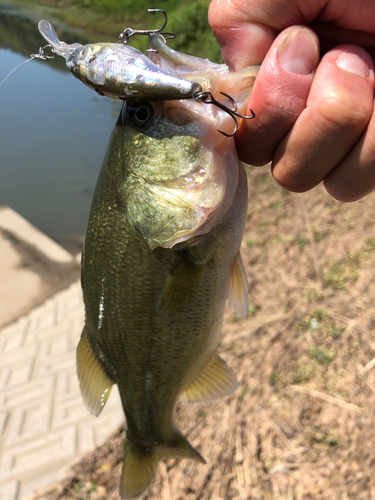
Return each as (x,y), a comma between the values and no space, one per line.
(118,71)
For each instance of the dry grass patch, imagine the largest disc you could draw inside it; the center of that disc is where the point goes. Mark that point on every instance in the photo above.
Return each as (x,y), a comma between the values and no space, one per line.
(301,426)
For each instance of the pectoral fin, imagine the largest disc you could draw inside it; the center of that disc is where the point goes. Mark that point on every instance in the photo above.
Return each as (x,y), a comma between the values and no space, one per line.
(238,287)
(94,382)
(216,381)
(181,286)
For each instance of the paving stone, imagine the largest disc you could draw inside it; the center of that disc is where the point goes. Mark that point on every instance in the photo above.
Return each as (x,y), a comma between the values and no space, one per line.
(29,421)
(9,491)
(54,364)
(15,373)
(114,400)
(72,298)
(32,390)
(75,332)
(44,424)
(54,344)
(94,430)
(110,420)
(4,415)
(43,316)
(4,419)
(67,385)
(36,453)
(70,411)
(16,355)
(29,487)
(35,336)
(40,242)
(12,337)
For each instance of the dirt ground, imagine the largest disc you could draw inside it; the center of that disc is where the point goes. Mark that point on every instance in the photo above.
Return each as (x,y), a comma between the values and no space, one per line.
(302,423)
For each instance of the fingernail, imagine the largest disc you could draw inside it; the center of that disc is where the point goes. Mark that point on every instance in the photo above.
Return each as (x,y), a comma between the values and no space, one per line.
(353,64)
(299,52)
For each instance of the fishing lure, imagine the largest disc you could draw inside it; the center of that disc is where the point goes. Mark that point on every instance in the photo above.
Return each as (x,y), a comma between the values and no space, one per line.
(118,70)
(122,72)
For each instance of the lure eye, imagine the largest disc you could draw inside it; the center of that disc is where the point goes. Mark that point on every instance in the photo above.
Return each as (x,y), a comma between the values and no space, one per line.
(141,114)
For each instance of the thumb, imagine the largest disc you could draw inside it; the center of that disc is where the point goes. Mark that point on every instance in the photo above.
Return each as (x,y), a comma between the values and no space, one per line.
(280,94)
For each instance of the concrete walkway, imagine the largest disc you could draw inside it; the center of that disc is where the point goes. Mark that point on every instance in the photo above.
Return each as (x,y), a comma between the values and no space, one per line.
(44,425)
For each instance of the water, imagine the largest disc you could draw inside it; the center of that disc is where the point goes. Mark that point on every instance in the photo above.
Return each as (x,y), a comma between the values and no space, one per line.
(54,133)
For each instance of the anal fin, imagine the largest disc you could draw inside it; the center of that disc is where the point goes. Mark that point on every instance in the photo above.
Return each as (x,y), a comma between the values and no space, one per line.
(216,381)
(94,382)
(238,287)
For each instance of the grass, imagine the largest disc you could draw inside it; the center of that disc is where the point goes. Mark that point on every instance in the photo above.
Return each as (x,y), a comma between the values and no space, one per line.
(321,356)
(338,273)
(253,243)
(187,19)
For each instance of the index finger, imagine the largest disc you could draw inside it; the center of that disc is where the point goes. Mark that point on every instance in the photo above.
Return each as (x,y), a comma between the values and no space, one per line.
(245,29)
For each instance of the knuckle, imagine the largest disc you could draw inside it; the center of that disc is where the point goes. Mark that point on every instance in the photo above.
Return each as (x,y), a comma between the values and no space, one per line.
(343,112)
(344,192)
(291,179)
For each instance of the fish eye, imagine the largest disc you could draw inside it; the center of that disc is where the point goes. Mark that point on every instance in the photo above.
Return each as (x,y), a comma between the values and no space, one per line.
(141,114)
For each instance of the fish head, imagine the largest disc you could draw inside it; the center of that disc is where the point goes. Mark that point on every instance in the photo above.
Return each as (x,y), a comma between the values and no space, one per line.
(176,174)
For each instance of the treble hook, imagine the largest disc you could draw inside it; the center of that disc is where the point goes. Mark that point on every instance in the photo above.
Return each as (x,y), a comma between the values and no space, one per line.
(208,98)
(128,32)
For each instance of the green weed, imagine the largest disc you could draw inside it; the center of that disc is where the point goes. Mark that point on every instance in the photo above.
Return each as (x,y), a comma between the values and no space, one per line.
(315,295)
(322,357)
(318,314)
(265,179)
(253,309)
(339,273)
(77,486)
(301,242)
(319,236)
(253,243)
(244,393)
(303,326)
(276,206)
(303,373)
(274,378)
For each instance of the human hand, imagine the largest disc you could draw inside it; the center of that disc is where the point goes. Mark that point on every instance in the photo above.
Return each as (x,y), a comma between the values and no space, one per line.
(314,117)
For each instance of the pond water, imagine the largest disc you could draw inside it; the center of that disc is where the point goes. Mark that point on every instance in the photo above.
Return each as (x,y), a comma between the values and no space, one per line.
(54,132)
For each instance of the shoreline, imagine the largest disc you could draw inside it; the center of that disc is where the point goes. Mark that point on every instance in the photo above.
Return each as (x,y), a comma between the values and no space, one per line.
(188,20)
(73,17)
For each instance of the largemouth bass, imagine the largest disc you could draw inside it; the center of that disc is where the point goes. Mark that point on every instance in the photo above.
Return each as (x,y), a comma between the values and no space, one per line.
(161,257)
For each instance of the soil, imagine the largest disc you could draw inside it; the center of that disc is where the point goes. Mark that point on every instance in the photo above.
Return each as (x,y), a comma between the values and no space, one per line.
(301,425)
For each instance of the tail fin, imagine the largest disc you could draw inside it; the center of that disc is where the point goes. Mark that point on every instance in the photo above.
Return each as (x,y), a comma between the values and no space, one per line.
(140,466)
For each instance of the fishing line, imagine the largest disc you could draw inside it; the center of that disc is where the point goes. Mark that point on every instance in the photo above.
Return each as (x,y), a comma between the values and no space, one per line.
(40,55)
(14,69)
